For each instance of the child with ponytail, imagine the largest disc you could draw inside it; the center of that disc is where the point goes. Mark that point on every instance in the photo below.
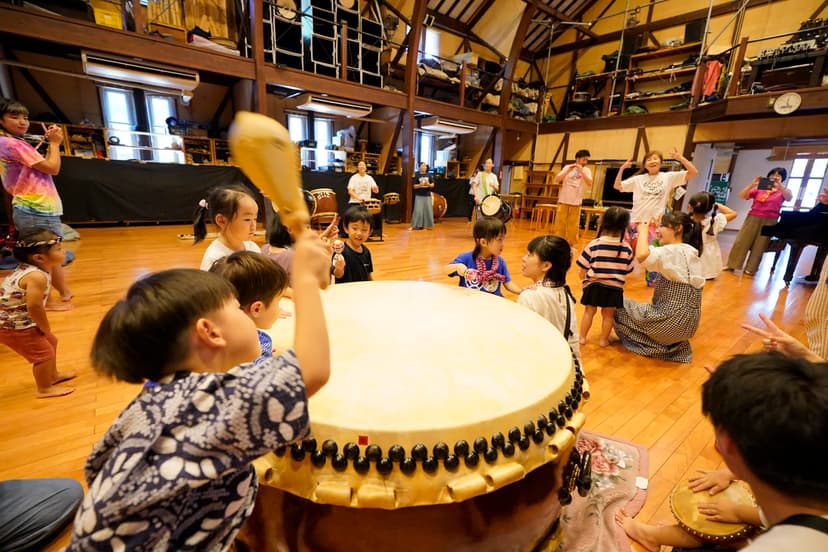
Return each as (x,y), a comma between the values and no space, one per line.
(700,205)
(234,211)
(662,329)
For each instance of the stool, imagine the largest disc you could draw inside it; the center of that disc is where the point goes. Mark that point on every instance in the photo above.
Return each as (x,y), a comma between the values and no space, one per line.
(542,215)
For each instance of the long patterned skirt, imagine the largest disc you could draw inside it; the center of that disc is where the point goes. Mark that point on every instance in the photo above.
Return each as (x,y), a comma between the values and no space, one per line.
(661,329)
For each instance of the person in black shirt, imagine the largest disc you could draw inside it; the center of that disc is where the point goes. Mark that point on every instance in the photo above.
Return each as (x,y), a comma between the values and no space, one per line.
(354,263)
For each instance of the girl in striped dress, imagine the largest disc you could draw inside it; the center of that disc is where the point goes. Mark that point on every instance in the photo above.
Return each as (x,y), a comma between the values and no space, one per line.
(604,265)
(662,329)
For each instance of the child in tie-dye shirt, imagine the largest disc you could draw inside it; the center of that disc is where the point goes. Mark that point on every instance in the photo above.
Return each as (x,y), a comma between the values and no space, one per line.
(27,176)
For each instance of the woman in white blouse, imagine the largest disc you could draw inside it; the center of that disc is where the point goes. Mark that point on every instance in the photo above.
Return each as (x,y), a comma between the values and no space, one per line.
(662,328)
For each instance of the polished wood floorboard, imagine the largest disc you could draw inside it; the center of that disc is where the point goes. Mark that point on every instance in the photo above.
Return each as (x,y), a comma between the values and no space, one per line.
(654,403)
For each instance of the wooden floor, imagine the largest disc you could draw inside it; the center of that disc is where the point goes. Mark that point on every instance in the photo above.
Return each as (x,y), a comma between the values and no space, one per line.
(650,402)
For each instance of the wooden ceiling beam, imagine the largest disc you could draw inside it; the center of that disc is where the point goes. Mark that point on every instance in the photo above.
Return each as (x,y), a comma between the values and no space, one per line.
(675,21)
(83,34)
(311,82)
(559,16)
(445,23)
(481,11)
(511,63)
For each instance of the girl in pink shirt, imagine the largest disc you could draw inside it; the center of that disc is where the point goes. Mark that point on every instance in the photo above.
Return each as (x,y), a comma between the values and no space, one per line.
(767,203)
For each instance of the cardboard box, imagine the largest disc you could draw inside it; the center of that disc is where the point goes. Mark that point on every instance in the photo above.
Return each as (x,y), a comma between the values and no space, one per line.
(109,14)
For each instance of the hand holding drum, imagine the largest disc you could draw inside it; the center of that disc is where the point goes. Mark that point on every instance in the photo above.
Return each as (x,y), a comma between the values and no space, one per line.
(262,148)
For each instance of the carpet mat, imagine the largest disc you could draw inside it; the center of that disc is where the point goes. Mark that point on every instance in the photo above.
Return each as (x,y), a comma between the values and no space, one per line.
(619,470)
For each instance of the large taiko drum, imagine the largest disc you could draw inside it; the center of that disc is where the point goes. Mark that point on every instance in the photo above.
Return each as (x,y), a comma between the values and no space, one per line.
(438,204)
(430,434)
(685,505)
(325,200)
(493,206)
(326,207)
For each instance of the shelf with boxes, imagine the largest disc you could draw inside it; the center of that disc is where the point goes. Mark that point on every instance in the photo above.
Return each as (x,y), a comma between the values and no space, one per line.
(322,160)
(92,142)
(459,169)
(590,93)
(540,189)
(665,75)
(372,161)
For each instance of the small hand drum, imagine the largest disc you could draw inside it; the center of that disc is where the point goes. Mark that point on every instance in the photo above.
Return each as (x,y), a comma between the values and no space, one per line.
(685,505)
(493,206)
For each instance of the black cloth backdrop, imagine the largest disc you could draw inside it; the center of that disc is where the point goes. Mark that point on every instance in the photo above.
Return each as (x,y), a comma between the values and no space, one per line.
(104,191)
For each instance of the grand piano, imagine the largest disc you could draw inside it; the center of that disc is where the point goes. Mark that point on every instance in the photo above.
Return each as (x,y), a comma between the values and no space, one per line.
(799,229)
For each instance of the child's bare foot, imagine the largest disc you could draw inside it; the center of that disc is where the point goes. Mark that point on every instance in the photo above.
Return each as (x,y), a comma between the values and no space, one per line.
(59,307)
(603,342)
(54,391)
(67,296)
(582,340)
(60,377)
(637,531)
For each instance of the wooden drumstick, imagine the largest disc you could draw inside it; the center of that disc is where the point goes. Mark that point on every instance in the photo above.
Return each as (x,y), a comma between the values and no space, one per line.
(262,149)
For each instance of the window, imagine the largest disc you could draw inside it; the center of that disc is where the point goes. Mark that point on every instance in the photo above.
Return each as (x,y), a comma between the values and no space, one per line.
(323,132)
(159,109)
(297,127)
(806,180)
(431,44)
(425,150)
(119,114)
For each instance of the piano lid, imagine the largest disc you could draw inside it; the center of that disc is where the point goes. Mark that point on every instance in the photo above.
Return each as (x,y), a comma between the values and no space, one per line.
(809,226)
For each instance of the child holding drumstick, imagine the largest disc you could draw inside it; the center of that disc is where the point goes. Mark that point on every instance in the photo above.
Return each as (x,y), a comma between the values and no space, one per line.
(174,471)
(483,268)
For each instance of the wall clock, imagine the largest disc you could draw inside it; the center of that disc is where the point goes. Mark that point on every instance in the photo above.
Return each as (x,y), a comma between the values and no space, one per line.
(787,103)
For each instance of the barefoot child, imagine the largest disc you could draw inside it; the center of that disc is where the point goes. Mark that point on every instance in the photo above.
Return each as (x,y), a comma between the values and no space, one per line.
(24,326)
(604,265)
(653,537)
(546,262)
(174,470)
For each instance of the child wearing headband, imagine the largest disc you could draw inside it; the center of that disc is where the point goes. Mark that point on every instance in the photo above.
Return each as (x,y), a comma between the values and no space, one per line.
(24,327)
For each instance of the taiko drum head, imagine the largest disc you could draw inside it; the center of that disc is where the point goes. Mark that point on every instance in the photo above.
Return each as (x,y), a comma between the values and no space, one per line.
(437,394)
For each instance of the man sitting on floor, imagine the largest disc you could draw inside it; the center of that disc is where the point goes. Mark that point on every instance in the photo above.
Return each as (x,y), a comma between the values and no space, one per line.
(770,415)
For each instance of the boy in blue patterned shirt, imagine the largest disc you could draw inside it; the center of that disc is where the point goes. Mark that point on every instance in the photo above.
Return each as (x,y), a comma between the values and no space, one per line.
(174,471)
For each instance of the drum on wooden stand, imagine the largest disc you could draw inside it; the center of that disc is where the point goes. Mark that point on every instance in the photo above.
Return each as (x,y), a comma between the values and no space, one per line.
(393,213)
(438,204)
(493,206)
(373,205)
(326,207)
(460,445)
(685,506)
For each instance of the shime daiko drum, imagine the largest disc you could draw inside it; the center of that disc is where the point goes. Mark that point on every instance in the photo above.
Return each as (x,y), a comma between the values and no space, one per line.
(685,505)
(446,424)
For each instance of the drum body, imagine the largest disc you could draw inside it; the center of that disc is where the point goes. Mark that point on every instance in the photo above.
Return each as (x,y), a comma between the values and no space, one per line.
(393,212)
(373,205)
(326,207)
(439,204)
(310,201)
(684,503)
(493,206)
(325,200)
(449,446)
